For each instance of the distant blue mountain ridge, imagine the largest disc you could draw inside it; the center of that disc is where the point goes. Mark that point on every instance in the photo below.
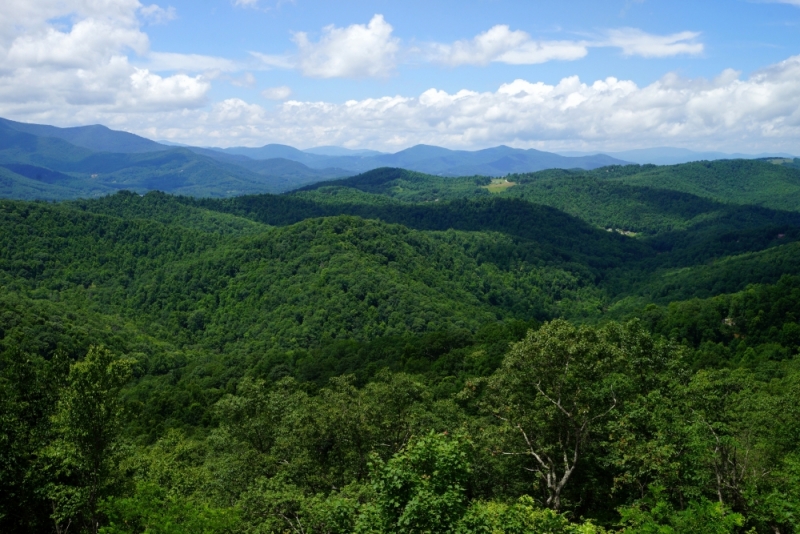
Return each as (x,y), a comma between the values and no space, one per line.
(44,162)
(497,161)
(675,156)
(48,162)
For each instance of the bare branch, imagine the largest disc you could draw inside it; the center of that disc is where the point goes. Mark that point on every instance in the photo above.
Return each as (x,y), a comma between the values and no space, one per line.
(557,403)
(531,448)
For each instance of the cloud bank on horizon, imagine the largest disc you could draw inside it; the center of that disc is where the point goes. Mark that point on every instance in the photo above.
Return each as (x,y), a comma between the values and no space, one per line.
(72,62)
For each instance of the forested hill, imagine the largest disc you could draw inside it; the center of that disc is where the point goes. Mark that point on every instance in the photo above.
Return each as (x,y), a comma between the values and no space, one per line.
(771,184)
(565,351)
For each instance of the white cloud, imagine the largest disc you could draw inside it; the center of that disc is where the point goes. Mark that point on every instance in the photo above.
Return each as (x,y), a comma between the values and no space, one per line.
(752,114)
(791,2)
(48,70)
(361,51)
(150,91)
(481,50)
(88,42)
(357,51)
(634,42)
(541,52)
(155,14)
(277,93)
(500,44)
(27,13)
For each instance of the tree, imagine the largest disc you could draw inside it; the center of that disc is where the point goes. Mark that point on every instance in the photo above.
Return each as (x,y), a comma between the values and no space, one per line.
(423,488)
(29,386)
(553,392)
(745,436)
(83,456)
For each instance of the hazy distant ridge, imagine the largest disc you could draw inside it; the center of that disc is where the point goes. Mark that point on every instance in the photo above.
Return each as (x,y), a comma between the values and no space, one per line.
(674,156)
(496,161)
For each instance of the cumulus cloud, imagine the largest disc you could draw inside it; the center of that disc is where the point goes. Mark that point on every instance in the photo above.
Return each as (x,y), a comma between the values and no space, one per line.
(48,70)
(88,42)
(151,91)
(761,112)
(357,51)
(500,44)
(634,42)
(277,93)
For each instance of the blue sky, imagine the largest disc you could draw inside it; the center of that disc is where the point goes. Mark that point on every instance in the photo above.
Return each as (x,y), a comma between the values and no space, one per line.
(567,75)
(735,34)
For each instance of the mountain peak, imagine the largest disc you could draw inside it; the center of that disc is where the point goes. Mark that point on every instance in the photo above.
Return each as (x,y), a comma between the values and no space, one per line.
(94,137)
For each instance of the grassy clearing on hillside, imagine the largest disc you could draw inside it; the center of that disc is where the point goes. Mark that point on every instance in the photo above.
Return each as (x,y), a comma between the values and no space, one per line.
(499,185)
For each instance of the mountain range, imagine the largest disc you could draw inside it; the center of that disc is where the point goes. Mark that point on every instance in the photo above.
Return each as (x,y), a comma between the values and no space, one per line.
(46,162)
(496,161)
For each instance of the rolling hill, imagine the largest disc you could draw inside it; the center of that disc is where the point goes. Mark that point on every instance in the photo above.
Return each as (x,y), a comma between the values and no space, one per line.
(678,229)
(735,181)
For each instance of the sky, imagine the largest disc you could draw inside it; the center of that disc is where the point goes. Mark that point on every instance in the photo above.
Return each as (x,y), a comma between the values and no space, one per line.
(553,75)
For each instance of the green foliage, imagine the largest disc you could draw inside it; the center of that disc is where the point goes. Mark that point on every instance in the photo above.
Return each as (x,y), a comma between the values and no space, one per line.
(152,510)
(299,280)
(83,456)
(360,357)
(659,517)
(166,209)
(737,181)
(521,517)
(401,185)
(423,488)
(548,234)
(559,388)
(29,387)
(725,327)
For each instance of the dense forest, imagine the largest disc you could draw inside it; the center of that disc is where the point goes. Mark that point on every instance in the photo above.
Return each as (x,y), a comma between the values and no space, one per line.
(567,351)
